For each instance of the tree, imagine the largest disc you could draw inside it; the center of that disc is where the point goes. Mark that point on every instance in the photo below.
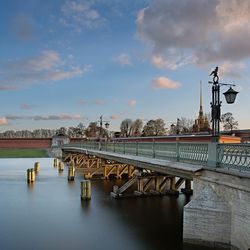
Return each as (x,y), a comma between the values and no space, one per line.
(229,122)
(79,130)
(185,125)
(137,126)
(154,128)
(126,128)
(92,130)
(160,127)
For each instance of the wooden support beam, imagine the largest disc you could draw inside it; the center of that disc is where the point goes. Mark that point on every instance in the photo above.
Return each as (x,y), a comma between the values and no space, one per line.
(187,190)
(179,183)
(148,183)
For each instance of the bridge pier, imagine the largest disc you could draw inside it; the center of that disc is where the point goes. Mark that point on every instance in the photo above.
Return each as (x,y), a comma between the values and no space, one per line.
(151,184)
(219,213)
(188,189)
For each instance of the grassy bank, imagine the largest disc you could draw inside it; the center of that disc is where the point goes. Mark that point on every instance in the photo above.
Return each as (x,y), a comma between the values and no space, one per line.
(23,153)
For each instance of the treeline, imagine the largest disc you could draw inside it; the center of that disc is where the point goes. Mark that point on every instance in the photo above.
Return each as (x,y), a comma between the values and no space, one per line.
(157,127)
(72,132)
(128,128)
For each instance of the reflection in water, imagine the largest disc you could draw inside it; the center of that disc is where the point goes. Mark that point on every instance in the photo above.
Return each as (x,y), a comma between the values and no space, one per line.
(31,186)
(85,205)
(49,214)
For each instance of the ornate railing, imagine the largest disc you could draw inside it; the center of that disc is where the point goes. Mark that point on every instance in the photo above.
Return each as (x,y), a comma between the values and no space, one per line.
(230,156)
(234,156)
(196,153)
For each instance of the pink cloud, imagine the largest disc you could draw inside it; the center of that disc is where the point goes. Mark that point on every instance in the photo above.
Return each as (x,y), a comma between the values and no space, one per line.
(132,103)
(3,121)
(26,106)
(165,83)
(8,87)
(114,117)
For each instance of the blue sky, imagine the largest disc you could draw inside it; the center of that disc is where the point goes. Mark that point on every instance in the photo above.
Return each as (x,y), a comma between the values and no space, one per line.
(64,62)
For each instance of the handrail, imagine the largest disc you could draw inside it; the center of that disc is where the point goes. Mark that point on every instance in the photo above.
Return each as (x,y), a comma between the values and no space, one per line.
(212,155)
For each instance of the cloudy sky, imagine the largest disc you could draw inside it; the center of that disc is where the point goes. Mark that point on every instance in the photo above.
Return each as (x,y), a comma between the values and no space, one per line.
(63,62)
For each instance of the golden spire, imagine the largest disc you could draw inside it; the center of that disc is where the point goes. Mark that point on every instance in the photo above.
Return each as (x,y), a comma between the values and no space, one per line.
(201,110)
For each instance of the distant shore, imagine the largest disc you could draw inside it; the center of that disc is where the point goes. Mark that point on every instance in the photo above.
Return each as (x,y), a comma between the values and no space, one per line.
(23,153)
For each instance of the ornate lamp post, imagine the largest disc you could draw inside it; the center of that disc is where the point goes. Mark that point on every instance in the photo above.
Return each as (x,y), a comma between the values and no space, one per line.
(230,96)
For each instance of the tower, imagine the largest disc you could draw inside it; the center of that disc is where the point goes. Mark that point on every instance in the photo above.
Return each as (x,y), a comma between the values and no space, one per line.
(201,116)
(201,124)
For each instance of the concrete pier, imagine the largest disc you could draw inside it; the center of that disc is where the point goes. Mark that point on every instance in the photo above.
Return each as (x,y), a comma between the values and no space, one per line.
(219,213)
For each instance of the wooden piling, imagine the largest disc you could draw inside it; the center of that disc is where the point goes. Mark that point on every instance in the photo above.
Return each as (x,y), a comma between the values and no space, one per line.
(55,163)
(37,167)
(71,173)
(31,177)
(61,166)
(86,190)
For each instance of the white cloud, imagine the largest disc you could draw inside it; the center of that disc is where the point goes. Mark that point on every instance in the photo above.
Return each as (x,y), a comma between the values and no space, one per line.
(3,121)
(114,117)
(132,103)
(79,15)
(8,87)
(83,102)
(48,59)
(165,83)
(231,69)
(46,67)
(45,117)
(172,61)
(26,106)
(123,59)
(200,32)
(99,102)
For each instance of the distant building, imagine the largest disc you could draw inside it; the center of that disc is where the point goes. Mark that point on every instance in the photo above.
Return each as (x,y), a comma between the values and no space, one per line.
(59,140)
(201,123)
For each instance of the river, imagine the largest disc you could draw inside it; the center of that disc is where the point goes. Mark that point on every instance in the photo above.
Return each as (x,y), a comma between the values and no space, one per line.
(49,214)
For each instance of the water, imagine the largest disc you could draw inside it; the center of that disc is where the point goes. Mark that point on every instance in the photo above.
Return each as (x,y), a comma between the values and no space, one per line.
(50,215)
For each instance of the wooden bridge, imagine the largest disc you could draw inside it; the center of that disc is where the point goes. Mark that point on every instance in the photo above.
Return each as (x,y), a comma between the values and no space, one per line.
(218,212)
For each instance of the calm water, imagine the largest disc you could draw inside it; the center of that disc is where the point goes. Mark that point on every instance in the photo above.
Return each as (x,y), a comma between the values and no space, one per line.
(50,215)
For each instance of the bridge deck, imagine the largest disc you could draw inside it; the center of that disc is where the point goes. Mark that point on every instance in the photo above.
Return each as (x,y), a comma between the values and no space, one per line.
(180,169)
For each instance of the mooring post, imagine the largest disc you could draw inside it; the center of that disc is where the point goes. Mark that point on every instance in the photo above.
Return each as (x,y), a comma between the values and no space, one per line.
(55,163)
(31,177)
(61,166)
(71,173)
(85,190)
(37,167)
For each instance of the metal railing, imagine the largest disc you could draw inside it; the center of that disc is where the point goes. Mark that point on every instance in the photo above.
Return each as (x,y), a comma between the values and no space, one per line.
(230,156)
(234,156)
(196,153)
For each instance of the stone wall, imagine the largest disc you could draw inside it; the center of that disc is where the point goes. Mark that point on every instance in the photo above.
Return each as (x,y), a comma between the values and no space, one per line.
(219,213)
(25,143)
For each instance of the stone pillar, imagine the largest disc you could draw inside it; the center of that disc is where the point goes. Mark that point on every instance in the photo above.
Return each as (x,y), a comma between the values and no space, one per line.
(207,219)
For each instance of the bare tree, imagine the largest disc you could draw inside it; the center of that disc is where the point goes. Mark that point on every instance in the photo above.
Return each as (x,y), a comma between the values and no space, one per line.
(126,128)
(137,126)
(229,122)
(185,125)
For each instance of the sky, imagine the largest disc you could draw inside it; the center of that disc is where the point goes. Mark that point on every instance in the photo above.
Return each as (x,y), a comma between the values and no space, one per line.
(63,62)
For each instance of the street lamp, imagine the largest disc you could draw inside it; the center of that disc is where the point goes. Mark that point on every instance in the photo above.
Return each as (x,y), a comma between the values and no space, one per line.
(230,96)
(101,123)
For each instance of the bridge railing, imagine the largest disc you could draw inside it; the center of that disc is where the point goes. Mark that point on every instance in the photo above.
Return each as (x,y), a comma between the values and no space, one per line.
(184,152)
(230,156)
(234,156)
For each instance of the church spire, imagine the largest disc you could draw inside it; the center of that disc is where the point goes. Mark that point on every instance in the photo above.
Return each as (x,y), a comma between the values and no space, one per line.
(201,109)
